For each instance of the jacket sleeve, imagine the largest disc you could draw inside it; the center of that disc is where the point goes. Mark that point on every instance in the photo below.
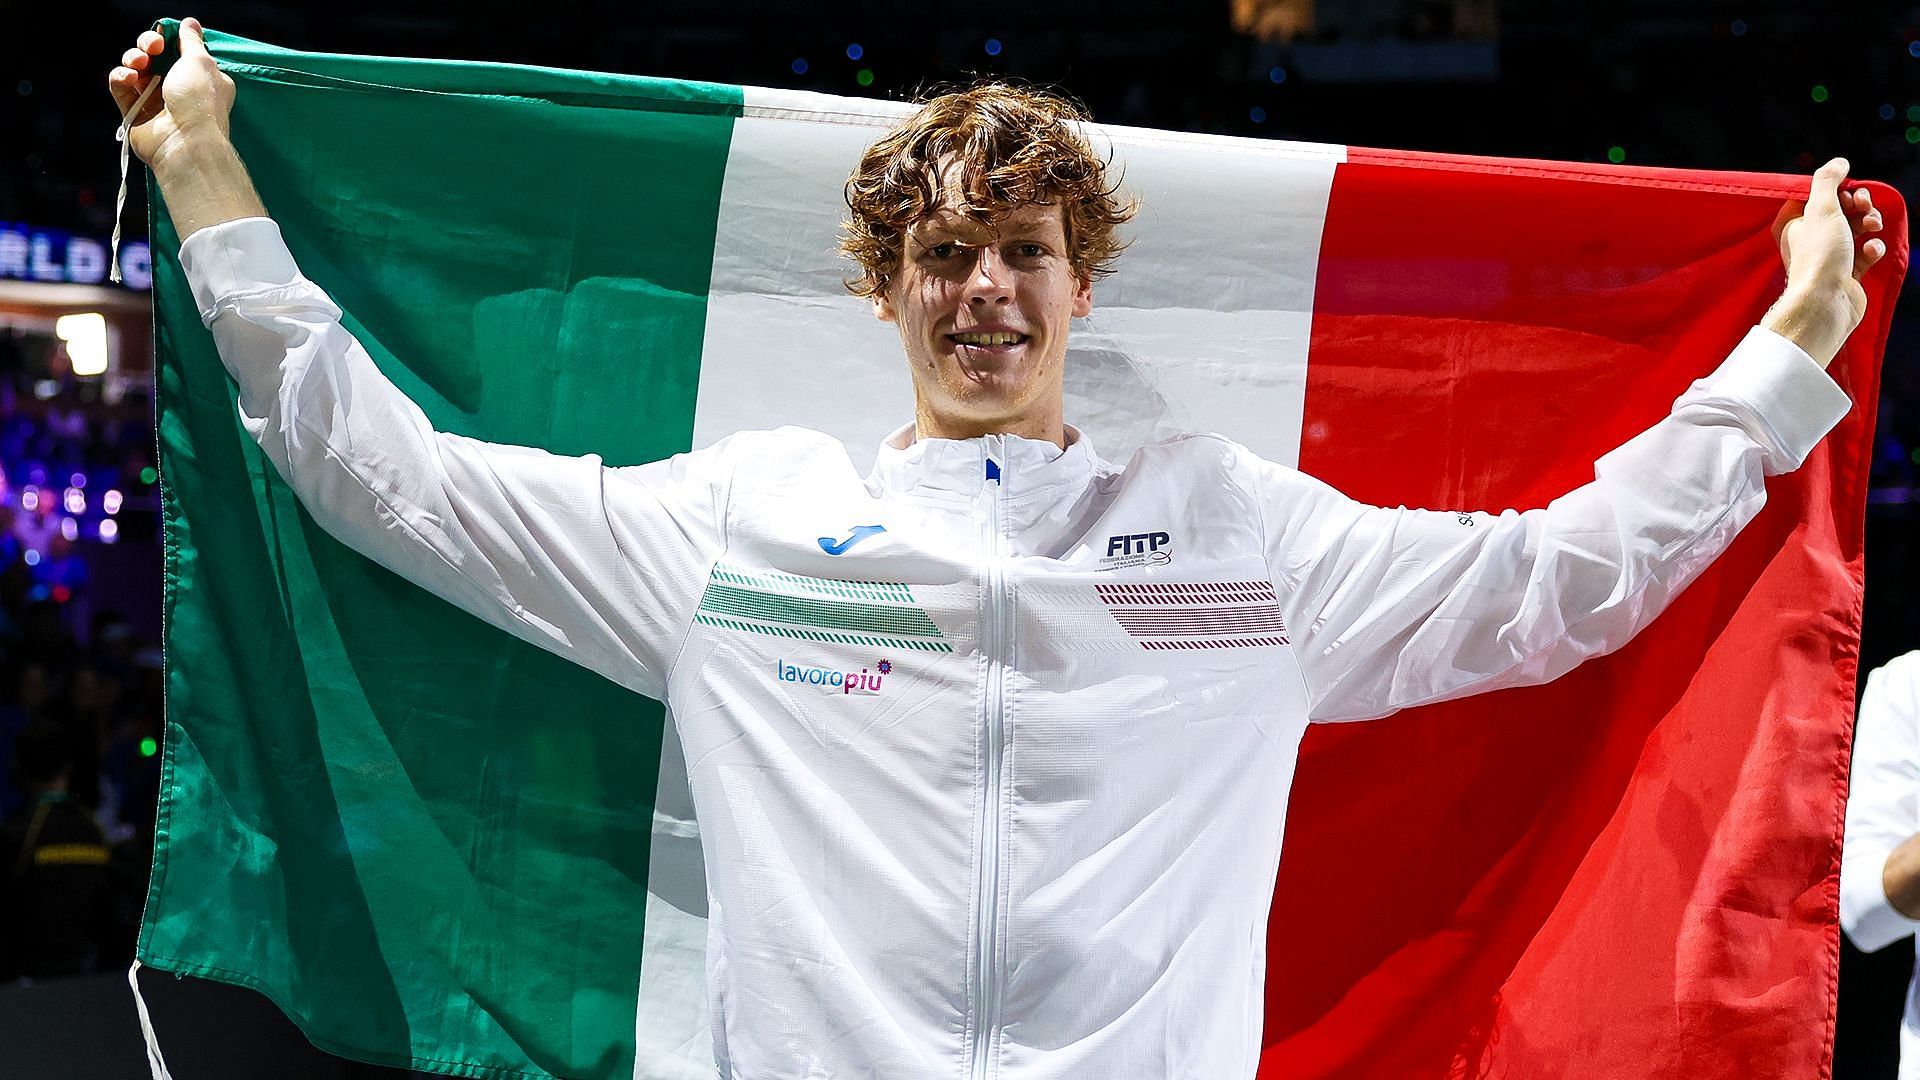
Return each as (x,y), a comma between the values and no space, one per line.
(1391,608)
(1883,805)
(601,565)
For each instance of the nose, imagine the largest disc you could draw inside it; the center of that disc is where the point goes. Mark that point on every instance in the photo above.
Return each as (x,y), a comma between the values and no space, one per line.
(988,280)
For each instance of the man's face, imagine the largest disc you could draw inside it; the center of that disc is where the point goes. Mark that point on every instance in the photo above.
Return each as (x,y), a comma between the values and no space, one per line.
(983,315)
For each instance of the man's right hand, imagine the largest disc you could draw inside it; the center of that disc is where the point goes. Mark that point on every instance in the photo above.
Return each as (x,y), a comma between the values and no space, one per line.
(180,131)
(194,100)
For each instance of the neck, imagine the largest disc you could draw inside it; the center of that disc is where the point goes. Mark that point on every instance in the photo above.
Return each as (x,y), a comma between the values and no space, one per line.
(928,424)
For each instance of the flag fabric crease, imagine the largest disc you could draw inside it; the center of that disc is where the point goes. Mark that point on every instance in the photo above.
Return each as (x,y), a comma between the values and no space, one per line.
(434,845)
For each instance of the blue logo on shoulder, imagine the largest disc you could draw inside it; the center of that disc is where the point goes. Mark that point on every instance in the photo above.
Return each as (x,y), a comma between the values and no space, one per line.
(860,532)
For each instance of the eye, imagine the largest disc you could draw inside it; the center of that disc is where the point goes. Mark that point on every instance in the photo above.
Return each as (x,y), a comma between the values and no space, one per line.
(1030,251)
(941,251)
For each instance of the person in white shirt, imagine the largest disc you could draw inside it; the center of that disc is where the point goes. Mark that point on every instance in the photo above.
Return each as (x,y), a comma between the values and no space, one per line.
(986,788)
(1880,858)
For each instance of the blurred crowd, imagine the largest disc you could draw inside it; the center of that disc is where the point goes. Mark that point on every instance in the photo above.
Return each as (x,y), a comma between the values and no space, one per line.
(80,686)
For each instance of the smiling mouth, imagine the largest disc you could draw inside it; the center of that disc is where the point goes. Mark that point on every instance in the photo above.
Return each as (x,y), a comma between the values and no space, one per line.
(999,339)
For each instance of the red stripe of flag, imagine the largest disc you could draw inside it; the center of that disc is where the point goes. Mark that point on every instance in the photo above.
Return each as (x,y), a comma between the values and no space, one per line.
(1630,873)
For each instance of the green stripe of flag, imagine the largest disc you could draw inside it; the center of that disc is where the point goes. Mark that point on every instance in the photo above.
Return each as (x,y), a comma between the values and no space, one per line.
(372,798)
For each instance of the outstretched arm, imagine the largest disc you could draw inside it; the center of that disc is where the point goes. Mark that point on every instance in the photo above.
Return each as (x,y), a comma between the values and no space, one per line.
(1394,607)
(598,564)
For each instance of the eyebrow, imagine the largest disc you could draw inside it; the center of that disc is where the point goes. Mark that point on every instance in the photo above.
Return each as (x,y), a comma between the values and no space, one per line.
(925,227)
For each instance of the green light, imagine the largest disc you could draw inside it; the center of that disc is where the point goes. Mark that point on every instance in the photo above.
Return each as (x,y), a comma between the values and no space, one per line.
(148,747)
(1915,455)
(1616,154)
(1819,93)
(865,77)
(1913,134)
(148,476)
(1913,114)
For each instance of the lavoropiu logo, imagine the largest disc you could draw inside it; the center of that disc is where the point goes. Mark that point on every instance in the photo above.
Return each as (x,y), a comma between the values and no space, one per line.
(831,680)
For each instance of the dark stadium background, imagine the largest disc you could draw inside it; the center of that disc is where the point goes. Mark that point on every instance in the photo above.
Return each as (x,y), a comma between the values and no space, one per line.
(1765,85)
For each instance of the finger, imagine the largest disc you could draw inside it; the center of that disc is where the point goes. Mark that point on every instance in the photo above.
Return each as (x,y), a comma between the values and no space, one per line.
(128,87)
(124,83)
(152,43)
(136,59)
(1872,222)
(1825,192)
(1870,253)
(192,44)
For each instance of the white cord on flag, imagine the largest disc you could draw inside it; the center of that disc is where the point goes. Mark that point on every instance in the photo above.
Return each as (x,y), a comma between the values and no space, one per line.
(156,1064)
(120,200)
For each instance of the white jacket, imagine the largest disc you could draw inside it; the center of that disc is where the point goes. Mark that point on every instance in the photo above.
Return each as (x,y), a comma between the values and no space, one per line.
(991,748)
(1883,810)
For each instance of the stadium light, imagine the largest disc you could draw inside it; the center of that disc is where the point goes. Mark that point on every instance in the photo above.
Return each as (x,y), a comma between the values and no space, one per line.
(86,338)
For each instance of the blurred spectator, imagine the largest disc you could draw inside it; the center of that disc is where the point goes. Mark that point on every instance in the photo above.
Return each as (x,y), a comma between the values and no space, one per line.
(55,898)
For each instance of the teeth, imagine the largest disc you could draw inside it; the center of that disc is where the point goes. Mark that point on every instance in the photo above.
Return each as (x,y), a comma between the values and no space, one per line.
(988,339)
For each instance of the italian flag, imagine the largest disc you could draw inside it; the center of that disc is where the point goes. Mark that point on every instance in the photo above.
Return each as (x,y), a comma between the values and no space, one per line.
(434,845)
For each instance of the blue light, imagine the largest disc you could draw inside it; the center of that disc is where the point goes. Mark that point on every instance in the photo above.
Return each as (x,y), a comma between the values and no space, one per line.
(1277,74)
(1887,111)
(1257,114)
(799,65)
(855,52)
(1739,27)
(993,46)
(1913,48)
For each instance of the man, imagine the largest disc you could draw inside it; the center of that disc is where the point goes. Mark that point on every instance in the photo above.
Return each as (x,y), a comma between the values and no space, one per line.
(1880,859)
(989,785)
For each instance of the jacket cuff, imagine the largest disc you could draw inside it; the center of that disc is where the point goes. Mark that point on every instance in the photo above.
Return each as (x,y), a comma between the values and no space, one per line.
(235,258)
(1786,396)
(1869,918)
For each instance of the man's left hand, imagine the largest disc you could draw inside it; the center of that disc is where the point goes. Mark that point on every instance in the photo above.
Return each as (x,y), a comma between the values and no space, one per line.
(1827,245)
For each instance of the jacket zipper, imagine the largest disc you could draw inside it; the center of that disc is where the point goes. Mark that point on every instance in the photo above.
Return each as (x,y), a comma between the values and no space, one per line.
(986,988)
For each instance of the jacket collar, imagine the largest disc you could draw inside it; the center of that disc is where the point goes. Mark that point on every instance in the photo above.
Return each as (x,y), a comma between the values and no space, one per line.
(961,466)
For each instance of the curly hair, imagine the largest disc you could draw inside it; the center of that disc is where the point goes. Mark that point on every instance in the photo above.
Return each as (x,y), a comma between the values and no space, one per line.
(1014,145)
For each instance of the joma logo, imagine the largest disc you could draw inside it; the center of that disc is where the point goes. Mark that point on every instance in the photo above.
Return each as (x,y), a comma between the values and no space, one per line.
(1136,543)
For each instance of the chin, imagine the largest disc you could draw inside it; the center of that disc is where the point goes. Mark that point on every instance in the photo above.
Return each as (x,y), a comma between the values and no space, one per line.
(996,416)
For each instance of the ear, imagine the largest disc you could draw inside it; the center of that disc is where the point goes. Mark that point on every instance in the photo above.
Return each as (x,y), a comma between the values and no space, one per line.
(883,307)
(1083,299)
